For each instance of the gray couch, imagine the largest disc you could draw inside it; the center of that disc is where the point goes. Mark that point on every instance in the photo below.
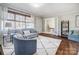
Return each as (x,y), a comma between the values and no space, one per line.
(33,33)
(74,35)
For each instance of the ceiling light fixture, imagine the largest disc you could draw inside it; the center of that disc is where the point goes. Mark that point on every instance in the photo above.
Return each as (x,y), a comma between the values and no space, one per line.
(36,4)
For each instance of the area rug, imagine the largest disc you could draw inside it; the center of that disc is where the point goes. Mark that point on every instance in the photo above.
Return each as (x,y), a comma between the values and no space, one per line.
(45,46)
(8,49)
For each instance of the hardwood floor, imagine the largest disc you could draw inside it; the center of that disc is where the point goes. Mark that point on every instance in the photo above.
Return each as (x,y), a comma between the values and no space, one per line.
(66,47)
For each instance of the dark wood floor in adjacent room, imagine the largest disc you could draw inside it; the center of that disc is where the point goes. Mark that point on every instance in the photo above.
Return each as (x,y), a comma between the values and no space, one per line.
(66,47)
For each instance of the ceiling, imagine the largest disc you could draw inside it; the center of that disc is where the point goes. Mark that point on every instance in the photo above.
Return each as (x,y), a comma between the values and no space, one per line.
(46,9)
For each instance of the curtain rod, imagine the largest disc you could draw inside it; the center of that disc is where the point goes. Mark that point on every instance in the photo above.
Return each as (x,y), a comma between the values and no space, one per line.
(11,10)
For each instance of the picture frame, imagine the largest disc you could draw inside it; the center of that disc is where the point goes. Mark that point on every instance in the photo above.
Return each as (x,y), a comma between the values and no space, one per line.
(77,21)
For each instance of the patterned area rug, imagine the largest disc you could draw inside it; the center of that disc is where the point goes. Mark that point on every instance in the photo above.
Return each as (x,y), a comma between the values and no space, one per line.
(8,49)
(45,46)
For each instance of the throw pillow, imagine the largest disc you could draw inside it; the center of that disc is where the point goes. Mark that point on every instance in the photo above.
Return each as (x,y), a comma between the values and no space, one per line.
(18,35)
(26,32)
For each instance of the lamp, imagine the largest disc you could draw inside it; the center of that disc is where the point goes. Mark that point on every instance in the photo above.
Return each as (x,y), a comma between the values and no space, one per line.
(8,24)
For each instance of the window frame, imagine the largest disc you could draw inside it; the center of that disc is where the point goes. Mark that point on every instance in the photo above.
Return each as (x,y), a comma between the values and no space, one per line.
(19,21)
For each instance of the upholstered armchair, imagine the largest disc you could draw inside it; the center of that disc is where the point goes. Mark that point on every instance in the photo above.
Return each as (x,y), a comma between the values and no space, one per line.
(24,46)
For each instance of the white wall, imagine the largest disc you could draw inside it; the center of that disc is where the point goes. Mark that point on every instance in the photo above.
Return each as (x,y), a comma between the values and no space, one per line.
(71,18)
(38,22)
(3,14)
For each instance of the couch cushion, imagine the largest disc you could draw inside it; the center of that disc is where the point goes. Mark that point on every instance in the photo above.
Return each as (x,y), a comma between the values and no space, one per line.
(26,32)
(32,35)
(19,36)
(33,31)
(19,31)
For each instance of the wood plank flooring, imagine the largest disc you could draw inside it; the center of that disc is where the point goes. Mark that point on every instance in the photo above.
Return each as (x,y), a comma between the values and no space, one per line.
(66,47)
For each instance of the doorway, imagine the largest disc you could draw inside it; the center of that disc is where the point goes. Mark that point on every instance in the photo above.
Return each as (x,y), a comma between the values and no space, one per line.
(50,25)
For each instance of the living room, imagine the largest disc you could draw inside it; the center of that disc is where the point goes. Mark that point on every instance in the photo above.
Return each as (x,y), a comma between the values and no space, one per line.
(49,28)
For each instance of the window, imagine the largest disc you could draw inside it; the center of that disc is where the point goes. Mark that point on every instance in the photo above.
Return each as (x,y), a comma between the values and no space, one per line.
(10,16)
(20,18)
(20,25)
(29,25)
(29,22)
(17,21)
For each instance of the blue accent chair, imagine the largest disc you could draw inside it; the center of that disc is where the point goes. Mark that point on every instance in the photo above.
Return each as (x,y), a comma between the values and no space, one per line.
(24,47)
(74,35)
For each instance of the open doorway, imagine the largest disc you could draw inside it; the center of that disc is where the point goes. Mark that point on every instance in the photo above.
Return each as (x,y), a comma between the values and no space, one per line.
(50,25)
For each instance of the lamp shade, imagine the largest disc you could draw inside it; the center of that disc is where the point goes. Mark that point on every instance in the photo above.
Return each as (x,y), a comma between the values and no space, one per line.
(8,24)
